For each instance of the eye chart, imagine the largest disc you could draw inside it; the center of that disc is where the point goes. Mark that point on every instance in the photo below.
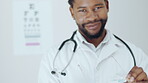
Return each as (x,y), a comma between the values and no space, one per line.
(32,27)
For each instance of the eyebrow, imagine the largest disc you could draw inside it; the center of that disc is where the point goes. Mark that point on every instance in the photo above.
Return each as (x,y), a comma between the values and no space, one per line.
(98,4)
(81,7)
(94,5)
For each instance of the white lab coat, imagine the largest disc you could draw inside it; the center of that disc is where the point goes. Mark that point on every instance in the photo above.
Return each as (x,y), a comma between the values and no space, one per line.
(110,65)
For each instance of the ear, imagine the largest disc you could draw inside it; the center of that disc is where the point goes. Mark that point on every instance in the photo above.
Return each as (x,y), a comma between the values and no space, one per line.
(72,12)
(107,5)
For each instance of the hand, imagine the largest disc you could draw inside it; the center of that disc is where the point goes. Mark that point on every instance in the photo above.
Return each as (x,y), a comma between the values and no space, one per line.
(138,82)
(137,75)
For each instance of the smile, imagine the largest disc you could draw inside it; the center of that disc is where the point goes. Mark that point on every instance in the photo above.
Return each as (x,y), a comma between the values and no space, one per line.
(92,26)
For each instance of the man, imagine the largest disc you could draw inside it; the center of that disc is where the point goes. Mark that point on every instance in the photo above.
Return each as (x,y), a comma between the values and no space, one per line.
(99,56)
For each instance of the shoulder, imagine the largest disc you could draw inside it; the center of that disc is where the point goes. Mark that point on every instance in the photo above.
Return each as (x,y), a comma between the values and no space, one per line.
(120,41)
(50,54)
(140,57)
(136,50)
(139,54)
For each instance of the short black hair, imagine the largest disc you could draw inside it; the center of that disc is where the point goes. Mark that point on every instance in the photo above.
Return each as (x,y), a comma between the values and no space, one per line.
(72,1)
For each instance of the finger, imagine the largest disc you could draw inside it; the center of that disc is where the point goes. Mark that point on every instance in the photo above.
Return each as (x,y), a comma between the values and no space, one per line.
(146,78)
(141,77)
(137,72)
(133,69)
(142,82)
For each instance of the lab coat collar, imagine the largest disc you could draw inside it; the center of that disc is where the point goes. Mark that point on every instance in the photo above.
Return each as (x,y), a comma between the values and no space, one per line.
(111,45)
(82,40)
(109,38)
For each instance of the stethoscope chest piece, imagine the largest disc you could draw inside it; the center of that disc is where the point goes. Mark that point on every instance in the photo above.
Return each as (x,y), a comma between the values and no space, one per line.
(54,72)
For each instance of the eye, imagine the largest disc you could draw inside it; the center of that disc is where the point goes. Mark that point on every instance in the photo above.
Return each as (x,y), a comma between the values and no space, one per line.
(97,8)
(82,10)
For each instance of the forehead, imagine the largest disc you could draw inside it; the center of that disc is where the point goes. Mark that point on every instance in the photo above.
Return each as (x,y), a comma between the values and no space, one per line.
(87,2)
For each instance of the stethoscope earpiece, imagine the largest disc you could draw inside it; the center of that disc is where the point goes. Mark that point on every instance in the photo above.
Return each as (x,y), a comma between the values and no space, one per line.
(53,72)
(64,74)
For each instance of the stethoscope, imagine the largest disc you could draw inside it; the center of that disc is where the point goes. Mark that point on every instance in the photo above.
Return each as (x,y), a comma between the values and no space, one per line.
(54,71)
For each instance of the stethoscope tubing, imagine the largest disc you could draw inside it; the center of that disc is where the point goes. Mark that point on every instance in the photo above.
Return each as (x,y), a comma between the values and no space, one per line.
(127,48)
(74,50)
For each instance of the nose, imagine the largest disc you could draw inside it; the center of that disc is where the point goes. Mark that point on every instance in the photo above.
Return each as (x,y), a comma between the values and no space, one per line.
(92,16)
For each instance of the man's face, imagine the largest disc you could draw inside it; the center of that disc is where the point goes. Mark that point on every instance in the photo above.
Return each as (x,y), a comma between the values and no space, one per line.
(90,16)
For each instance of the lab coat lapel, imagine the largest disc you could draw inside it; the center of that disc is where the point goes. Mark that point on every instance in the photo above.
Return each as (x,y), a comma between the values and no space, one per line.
(106,53)
(108,50)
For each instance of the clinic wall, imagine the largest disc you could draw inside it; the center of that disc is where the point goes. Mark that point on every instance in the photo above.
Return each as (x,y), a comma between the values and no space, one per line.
(127,19)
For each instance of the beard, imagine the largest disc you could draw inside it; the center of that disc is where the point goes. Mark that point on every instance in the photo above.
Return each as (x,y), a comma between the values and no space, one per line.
(89,35)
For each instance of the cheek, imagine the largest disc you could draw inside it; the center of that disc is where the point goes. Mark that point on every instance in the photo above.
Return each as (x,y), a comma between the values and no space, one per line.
(103,14)
(78,17)
(79,20)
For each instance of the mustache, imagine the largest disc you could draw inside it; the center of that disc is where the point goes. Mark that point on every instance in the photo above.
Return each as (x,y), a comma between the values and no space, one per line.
(92,22)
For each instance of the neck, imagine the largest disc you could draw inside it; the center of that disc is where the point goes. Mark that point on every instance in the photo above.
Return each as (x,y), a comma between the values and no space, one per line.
(96,41)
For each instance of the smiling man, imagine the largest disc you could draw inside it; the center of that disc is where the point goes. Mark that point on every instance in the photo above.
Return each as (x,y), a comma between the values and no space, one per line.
(91,17)
(100,57)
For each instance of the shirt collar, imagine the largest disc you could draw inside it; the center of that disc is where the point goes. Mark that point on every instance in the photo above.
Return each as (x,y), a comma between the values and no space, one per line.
(83,40)
(109,38)
(80,37)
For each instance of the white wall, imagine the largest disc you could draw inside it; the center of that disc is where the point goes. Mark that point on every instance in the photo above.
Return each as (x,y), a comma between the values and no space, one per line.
(127,19)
